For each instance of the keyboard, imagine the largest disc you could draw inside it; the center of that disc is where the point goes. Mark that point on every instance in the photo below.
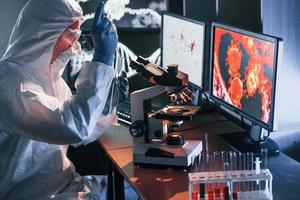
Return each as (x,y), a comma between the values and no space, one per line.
(124,111)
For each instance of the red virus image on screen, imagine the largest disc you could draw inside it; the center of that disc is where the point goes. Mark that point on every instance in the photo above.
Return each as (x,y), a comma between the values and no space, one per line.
(243,72)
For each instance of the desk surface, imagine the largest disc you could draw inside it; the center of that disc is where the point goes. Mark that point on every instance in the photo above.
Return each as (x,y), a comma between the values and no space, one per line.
(173,184)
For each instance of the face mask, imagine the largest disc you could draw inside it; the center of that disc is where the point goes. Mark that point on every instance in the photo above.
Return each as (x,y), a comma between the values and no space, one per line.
(63,58)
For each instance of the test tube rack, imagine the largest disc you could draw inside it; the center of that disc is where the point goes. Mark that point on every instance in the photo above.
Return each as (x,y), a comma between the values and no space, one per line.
(233,177)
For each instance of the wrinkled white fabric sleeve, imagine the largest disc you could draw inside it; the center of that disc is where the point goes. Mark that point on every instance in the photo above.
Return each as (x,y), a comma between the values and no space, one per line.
(44,118)
(93,85)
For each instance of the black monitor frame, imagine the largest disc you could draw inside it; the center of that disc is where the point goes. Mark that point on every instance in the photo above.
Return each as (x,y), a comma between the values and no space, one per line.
(269,127)
(204,44)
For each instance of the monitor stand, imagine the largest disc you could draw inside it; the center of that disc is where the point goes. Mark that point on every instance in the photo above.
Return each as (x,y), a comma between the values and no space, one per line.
(248,141)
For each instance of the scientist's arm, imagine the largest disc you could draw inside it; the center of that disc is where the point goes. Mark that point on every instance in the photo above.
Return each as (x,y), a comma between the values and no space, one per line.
(38,116)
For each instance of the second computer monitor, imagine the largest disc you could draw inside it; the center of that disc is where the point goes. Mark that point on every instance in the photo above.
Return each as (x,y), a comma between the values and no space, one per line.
(243,71)
(183,44)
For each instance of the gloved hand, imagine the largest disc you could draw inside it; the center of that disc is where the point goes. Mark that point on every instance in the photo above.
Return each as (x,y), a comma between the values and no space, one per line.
(118,92)
(105,37)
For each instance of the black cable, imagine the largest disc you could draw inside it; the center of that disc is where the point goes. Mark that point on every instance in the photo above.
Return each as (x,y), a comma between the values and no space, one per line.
(199,125)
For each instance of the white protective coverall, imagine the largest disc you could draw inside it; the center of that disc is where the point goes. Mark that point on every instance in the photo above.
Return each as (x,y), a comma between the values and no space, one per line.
(39,117)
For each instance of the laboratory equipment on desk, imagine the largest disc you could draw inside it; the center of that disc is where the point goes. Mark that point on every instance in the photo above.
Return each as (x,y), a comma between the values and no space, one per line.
(154,140)
(228,175)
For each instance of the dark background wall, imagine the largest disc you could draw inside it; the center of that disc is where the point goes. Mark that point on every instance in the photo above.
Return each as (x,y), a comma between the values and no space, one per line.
(282,19)
(241,13)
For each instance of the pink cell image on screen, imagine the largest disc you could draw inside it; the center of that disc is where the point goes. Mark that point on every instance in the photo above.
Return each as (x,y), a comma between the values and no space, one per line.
(243,72)
(181,43)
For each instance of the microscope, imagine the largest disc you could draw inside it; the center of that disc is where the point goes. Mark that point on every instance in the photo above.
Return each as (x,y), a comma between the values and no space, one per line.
(157,140)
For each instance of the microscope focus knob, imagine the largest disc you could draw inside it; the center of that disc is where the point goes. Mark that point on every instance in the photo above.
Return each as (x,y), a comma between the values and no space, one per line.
(138,128)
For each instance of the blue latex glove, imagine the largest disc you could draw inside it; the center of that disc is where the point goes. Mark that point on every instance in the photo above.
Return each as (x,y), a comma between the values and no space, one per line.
(105,37)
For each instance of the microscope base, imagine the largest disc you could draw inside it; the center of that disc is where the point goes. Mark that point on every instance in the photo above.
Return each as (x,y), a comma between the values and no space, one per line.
(166,155)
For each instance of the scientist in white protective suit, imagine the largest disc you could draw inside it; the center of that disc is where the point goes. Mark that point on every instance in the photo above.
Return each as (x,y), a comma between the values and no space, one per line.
(39,117)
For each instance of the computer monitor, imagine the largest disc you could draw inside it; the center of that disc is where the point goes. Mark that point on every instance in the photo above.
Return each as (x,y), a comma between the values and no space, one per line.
(183,42)
(243,79)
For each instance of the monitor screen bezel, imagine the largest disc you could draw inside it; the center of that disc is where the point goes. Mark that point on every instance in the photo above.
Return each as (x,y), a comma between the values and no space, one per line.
(221,102)
(200,87)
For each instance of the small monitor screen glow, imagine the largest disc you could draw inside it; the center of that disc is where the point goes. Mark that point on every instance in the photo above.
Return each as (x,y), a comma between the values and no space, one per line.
(183,44)
(244,72)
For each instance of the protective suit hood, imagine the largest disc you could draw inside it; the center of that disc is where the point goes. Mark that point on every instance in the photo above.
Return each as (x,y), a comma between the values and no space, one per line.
(39,25)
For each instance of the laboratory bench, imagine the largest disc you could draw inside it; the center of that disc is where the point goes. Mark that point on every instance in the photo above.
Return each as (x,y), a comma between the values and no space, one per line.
(168,183)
